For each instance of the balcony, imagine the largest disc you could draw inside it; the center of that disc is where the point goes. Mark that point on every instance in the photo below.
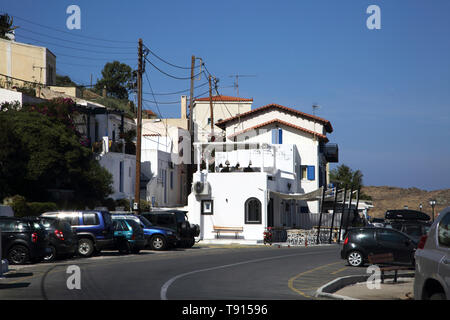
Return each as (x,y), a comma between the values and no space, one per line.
(330,151)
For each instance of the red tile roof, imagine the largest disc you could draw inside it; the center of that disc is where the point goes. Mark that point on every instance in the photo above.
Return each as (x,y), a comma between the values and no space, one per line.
(223,98)
(320,136)
(326,123)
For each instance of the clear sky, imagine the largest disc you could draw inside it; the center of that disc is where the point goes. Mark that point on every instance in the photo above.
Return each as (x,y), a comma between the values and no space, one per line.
(386,92)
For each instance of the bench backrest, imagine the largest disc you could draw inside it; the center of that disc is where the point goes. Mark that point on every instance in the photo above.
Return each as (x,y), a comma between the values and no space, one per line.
(228,228)
(381,258)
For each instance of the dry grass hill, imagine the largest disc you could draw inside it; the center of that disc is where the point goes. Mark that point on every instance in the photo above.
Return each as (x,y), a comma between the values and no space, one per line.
(385,198)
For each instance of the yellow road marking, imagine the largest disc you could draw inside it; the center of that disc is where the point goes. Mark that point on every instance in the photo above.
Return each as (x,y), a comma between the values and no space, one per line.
(291,280)
(337,271)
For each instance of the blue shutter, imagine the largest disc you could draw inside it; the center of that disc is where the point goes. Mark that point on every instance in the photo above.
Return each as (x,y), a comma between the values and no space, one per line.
(274,136)
(311,173)
(280,136)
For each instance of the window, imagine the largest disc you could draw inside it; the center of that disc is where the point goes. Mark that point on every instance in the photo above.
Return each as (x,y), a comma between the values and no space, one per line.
(171,179)
(277,136)
(304,172)
(121,176)
(90,219)
(390,236)
(443,233)
(253,211)
(72,219)
(365,238)
(7,225)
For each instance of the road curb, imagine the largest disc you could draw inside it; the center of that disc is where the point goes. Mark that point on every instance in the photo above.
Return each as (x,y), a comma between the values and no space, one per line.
(327,290)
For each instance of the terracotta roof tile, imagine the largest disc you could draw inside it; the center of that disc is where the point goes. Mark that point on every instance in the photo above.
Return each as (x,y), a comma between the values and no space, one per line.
(224,98)
(327,123)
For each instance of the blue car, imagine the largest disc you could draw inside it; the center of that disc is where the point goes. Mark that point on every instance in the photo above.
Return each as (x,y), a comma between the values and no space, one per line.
(93,229)
(157,238)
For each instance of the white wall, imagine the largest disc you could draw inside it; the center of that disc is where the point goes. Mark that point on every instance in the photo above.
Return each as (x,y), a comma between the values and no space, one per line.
(229,192)
(111,162)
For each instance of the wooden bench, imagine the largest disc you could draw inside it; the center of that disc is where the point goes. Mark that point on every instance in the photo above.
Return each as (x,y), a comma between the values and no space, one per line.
(385,262)
(236,230)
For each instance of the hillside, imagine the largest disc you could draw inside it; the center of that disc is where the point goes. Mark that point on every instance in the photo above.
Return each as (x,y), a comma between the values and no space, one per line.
(385,198)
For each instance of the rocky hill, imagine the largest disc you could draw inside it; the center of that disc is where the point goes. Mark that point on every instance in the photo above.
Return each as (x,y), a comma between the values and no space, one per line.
(385,198)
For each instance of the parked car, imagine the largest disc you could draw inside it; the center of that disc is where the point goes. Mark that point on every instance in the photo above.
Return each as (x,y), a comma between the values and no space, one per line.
(23,240)
(176,220)
(415,229)
(157,238)
(360,242)
(432,275)
(94,229)
(128,236)
(62,240)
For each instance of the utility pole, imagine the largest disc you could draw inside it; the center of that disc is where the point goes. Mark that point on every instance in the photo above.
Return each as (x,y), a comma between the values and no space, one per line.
(191,127)
(137,184)
(211,107)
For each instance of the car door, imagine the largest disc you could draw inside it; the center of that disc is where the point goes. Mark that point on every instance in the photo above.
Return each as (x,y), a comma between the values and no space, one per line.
(392,241)
(8,235)
(444,246)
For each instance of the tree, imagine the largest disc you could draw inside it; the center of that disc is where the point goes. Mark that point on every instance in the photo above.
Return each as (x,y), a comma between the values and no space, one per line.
(41,150)
(117,78)
(64,81)
(6,26)
(347,178)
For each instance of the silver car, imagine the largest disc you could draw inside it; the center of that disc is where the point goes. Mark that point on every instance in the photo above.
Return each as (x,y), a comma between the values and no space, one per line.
(432,275)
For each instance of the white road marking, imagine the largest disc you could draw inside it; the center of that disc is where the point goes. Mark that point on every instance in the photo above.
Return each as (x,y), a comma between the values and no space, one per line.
(165,287)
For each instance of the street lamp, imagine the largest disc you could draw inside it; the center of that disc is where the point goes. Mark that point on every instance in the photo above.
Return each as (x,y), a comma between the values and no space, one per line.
(432,204)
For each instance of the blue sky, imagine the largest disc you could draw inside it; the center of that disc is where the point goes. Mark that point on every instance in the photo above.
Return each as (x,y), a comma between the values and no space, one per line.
(386,92)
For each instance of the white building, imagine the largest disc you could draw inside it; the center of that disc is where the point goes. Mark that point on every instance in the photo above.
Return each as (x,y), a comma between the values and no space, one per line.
(164,146)
(272,156)
(223,107)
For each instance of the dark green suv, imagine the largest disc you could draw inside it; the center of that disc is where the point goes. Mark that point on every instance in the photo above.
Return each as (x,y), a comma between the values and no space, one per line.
(176,220)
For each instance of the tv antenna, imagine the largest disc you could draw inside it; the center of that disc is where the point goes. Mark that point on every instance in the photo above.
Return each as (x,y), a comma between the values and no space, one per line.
(314,108)
(236,81)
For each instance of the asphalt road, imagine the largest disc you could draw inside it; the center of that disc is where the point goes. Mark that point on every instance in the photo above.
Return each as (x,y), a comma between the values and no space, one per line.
(199,273)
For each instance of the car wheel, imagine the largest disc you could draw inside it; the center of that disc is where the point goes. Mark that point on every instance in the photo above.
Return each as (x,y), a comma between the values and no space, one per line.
(18,255)
(50,256)
(438,296)
(158,243)
(191,242)
(85,247)
(355,259)
(124,247)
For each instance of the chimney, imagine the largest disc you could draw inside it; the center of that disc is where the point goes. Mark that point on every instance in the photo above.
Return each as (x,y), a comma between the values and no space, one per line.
(183,107)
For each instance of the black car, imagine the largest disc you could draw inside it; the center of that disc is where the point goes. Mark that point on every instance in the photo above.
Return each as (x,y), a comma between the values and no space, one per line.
(23,240)
(412,222)
(415,229)
(360,242)
(62,239)
(176,220)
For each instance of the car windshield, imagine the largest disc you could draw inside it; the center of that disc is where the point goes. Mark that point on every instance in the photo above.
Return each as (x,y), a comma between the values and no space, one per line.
(145,222)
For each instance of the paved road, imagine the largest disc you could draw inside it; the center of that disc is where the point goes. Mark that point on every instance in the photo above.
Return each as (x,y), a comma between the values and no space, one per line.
(206,273)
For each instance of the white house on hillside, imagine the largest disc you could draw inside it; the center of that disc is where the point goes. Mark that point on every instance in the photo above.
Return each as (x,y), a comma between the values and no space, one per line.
(271,156)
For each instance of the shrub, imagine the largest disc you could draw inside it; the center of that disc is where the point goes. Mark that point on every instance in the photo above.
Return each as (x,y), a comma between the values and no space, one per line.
(37,208)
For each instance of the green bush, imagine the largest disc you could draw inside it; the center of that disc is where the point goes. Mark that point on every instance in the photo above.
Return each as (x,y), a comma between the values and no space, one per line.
(125,203)
(37,208)
(22,208)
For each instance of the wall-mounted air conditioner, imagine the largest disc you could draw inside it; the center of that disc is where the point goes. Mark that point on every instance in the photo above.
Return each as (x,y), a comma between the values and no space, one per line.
(201,188)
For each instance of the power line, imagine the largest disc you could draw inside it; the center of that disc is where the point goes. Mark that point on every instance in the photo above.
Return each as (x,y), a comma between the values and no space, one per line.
(169,75)
(72,41)
(176,92)
(74,48)
(70,33)
(165,61)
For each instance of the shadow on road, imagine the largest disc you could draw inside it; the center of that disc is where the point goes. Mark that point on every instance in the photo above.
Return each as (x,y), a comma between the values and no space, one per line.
(18,275)
(14,285)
